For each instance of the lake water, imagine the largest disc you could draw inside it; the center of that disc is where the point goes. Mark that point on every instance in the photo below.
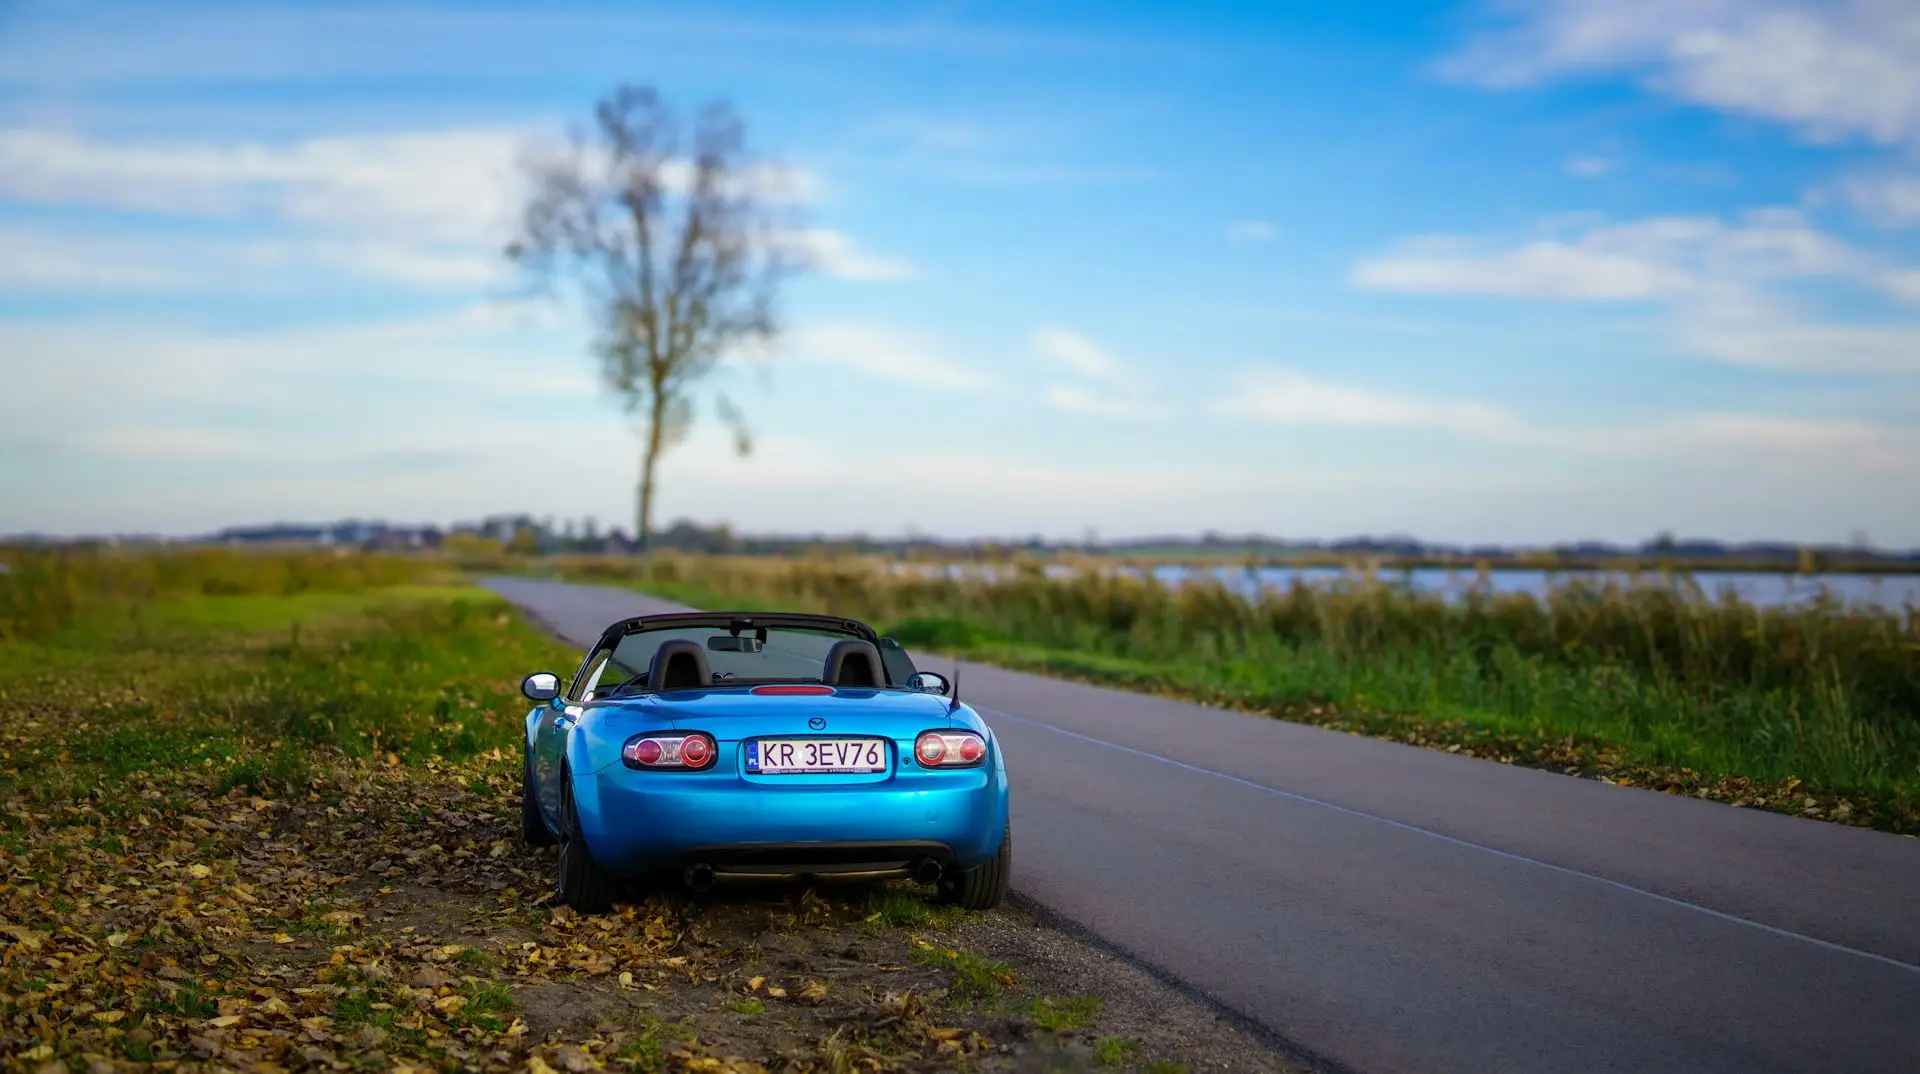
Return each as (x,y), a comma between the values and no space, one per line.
(1895,592)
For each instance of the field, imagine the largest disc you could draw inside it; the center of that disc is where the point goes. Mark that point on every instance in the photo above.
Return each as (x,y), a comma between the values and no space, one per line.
(1811,710)
(259,813)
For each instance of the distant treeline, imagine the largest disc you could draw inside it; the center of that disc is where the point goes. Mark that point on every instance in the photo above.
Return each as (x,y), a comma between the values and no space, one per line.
(1258,550)
(525,534)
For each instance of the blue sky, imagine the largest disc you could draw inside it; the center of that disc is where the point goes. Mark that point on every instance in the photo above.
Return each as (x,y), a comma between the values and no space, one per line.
(1482,271)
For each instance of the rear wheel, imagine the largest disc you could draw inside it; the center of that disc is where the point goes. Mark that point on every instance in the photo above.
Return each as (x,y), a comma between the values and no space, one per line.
(983,886)
(583,884)
(533,826)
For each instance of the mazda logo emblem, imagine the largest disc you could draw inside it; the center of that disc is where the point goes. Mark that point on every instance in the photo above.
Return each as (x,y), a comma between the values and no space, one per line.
(818,723)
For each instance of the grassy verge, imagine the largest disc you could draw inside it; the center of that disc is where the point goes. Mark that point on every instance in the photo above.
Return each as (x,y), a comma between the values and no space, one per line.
(1814,711)
(276,830)
(44,592)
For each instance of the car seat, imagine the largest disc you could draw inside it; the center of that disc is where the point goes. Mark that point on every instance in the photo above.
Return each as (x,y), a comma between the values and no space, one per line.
(853,662)
(679,665)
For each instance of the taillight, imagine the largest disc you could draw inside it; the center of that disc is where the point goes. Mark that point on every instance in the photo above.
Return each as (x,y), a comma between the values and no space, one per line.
(690,752)
(696,751)
(949,749)
(930,749)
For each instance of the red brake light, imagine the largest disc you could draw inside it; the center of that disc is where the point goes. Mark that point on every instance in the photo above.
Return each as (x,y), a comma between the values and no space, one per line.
(803,690)
(949,749)
(695,751)
(690,751)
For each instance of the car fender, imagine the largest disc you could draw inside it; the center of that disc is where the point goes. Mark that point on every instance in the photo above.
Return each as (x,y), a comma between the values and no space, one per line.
(532,727)
(994,831)
(582,767)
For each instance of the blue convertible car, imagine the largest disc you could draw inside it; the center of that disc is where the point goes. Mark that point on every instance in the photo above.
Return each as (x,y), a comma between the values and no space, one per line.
(716,745)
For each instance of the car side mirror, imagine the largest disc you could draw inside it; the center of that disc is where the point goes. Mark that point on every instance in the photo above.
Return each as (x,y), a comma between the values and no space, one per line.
(541,686)
(929,682)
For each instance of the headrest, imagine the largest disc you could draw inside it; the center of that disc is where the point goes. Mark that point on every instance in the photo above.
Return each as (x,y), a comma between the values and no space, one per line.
(853,662)
(679,665)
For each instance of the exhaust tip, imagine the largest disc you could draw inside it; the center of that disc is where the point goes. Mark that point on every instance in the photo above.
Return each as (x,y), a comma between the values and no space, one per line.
(927,871)
(698,877)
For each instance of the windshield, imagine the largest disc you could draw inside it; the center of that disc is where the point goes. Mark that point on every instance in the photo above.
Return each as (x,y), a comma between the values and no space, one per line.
(767,654)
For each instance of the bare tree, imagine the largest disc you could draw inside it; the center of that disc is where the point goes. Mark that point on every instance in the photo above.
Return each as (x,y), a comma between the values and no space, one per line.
(666,232)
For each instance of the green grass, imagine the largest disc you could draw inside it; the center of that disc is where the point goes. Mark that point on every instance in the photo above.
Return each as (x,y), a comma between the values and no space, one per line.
(749,1007)
(44,592)
(488,1006)
(646,1053)
(128,685)
(186,1000)
(286,766)
(1065,1013)
(896,907)
(371,1003)
(975,979)
(1661,677)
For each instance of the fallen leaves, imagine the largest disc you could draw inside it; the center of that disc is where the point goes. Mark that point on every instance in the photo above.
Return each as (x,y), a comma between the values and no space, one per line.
(383,913)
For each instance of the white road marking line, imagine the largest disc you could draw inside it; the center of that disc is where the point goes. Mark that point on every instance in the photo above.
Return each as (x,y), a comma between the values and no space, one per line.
(1509,855)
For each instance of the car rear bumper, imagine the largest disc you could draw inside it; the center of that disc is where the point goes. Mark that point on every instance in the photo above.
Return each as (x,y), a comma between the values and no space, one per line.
(645,822)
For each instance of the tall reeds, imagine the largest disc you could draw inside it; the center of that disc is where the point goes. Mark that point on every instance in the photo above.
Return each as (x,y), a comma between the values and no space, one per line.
(1814,691)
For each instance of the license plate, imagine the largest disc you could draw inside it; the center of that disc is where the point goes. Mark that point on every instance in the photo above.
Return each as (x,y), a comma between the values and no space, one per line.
(777,755)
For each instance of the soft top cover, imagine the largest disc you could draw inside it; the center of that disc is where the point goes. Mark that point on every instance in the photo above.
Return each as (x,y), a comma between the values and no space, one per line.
(735,622)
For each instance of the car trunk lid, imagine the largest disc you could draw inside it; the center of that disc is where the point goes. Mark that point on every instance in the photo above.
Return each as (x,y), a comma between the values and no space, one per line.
(741,713)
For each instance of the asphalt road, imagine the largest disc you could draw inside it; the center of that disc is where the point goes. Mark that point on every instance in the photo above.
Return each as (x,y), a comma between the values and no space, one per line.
(1387,908)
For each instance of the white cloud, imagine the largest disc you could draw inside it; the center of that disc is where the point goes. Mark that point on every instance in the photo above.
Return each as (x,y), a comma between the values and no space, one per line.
(1717,279)
(1658,258)
(38,260)
(1903,284)
(1282,395)
(1077,400)
(1765,337)
(430,209)
(1077,353)
(1890,199)
(1247,232)
(423,209)
(1285,396)
(441,186)
(1117,392)
(420,266)
(448,186)
(50,380)
(838,255)
(884,354)
(1857,441)
(1537,270)
(1828,68)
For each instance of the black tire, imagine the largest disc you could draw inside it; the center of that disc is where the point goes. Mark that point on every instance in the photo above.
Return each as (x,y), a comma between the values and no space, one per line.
(983,886)
(582,883)
(533,826)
